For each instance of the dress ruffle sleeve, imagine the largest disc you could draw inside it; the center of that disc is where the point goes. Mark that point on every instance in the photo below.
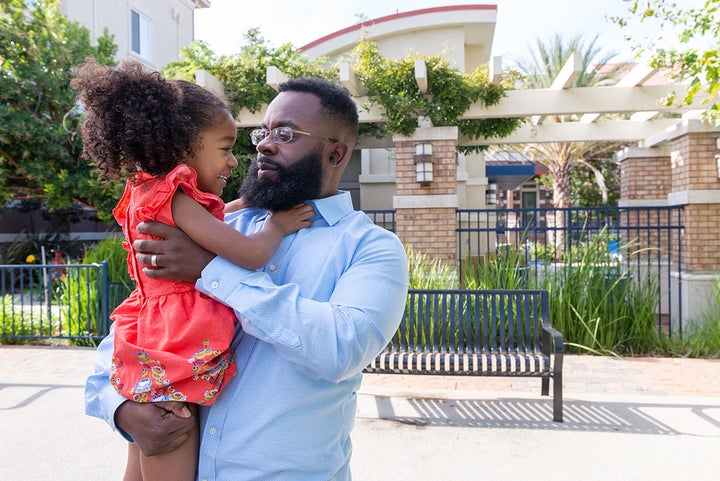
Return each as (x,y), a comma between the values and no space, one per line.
(164,188)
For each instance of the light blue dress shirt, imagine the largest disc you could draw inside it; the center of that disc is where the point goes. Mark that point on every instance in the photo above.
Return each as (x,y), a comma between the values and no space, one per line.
(328,301)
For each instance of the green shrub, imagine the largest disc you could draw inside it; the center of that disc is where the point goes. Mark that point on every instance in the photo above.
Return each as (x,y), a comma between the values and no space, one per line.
(426,273)
(79,291)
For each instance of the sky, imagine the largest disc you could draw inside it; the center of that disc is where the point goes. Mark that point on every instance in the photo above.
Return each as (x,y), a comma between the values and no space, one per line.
(519,24)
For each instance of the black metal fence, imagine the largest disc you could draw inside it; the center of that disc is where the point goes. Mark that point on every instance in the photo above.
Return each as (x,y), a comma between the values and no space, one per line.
(74,300)
(642,240)
(646,241)
(59,301)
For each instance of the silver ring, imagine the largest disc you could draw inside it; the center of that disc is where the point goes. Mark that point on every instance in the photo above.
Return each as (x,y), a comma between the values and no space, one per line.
(153,260)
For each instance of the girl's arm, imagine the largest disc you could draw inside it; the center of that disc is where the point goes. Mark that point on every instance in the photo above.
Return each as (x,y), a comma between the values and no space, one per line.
(251,252)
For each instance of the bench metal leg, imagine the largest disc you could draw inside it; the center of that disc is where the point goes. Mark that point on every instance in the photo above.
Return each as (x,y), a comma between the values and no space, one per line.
(557,398)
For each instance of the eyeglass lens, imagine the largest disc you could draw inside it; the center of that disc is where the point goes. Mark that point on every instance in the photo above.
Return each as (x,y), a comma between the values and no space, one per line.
(280,135)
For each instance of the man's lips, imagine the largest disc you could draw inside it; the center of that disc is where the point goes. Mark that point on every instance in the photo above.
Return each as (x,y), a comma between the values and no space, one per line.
(267,171)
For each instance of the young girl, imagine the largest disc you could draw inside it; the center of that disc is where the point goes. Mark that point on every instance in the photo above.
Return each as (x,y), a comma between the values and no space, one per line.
(173,142)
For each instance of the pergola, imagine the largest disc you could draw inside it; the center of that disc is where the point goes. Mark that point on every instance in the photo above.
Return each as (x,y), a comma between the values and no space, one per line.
(627,112)
(672,159)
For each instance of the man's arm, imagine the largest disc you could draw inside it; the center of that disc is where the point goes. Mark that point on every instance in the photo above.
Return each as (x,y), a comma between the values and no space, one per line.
(337,330)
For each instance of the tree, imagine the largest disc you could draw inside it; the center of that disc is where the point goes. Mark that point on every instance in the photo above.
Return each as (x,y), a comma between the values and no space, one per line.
(697,61)
(39,145)
(539,71)
(562,158)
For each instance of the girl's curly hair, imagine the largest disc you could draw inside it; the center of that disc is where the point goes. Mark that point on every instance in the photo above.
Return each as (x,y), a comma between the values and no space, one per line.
(137,120)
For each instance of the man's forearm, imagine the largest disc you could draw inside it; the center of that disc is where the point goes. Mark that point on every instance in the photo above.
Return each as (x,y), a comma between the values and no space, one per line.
(101,399)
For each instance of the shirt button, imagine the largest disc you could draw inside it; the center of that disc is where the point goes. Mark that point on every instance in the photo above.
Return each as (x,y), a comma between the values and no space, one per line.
(272,268)
(214,284)
(213,430)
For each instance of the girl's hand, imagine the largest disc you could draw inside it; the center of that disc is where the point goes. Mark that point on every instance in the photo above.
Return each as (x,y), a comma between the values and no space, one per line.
(292,220)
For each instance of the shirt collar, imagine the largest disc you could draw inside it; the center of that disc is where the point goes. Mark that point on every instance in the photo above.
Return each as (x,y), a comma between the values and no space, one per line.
(333,208)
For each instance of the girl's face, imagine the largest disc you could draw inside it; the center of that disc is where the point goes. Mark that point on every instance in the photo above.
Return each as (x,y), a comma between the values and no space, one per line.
(213,160)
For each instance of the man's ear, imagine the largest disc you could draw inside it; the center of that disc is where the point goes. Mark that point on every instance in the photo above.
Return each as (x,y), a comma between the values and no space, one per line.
(338,152)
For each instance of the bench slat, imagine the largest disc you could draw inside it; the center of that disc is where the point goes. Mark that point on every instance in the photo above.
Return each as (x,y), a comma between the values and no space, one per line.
(477,333)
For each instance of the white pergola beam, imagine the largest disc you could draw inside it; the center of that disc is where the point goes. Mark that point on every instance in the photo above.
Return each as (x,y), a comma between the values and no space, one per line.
(589,118)
(607,131)
(350,81)
(580,100)
(210,82)
(542,102)
(421,75)
(693,114)
(496,70)
(245,118)
(274,77)
(587,102)
(637,76)
(569,73)
(647,115)
(367,111)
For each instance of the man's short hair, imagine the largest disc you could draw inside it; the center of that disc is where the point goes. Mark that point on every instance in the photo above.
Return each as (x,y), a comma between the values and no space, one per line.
(334,99)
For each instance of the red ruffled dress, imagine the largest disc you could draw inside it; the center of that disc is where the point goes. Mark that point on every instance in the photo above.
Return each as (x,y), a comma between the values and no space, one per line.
(172,343)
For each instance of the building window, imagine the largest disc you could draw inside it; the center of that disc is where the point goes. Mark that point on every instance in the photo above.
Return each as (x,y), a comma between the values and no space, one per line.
(141,34)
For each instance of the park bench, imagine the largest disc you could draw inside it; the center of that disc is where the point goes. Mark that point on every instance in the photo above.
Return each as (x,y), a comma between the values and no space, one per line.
(477,333)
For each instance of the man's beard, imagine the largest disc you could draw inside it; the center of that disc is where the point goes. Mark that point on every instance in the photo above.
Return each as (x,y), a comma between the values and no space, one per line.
(299,182)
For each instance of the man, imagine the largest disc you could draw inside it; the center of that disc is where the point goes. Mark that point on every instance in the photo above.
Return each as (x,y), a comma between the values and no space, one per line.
(326,304)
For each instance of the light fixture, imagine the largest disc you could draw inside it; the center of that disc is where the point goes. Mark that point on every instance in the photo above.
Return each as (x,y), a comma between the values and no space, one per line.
(717,162)
(491,194)
(423,163)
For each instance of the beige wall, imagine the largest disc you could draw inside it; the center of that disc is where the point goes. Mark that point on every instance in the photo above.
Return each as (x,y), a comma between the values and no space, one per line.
(171,20)
(448,42)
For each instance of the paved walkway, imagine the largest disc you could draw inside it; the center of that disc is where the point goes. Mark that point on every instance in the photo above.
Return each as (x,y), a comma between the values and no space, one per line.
(625,419)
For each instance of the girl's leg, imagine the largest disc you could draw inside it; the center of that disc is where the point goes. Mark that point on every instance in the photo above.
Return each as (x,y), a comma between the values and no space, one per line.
(177,465)
(132,469)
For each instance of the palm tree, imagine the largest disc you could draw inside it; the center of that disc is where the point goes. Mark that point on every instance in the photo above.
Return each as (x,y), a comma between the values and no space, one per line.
(539,70)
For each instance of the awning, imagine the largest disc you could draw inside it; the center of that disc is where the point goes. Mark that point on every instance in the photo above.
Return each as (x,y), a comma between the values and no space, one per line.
(509,175)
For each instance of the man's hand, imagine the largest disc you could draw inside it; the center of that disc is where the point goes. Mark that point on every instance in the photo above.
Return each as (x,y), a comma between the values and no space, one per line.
(154,429)
(174,257)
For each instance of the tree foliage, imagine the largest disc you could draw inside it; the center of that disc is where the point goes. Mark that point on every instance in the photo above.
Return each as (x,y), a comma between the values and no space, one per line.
(39,147)
(539,70)
(696,60)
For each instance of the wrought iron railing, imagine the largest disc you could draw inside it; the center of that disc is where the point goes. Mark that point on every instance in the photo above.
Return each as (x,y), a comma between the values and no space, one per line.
(59,301)
(75,300)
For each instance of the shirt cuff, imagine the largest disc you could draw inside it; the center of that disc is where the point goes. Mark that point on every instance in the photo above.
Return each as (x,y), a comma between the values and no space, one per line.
(221,277)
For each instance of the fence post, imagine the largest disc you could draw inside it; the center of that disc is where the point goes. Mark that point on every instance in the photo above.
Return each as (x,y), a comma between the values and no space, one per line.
(105,292)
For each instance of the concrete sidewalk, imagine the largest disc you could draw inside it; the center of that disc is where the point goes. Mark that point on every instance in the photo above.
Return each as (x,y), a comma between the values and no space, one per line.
(625,419)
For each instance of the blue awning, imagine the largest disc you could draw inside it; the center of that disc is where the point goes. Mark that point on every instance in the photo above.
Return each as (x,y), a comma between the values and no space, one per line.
(508,176)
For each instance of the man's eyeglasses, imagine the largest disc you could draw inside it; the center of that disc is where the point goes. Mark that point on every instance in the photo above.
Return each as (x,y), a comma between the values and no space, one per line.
(281,135)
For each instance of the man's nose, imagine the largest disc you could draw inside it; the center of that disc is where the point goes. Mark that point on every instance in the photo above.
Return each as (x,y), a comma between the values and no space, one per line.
(266,146)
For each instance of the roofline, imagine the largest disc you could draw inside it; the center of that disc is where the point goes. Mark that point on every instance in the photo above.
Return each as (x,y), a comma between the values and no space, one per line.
(396,16)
